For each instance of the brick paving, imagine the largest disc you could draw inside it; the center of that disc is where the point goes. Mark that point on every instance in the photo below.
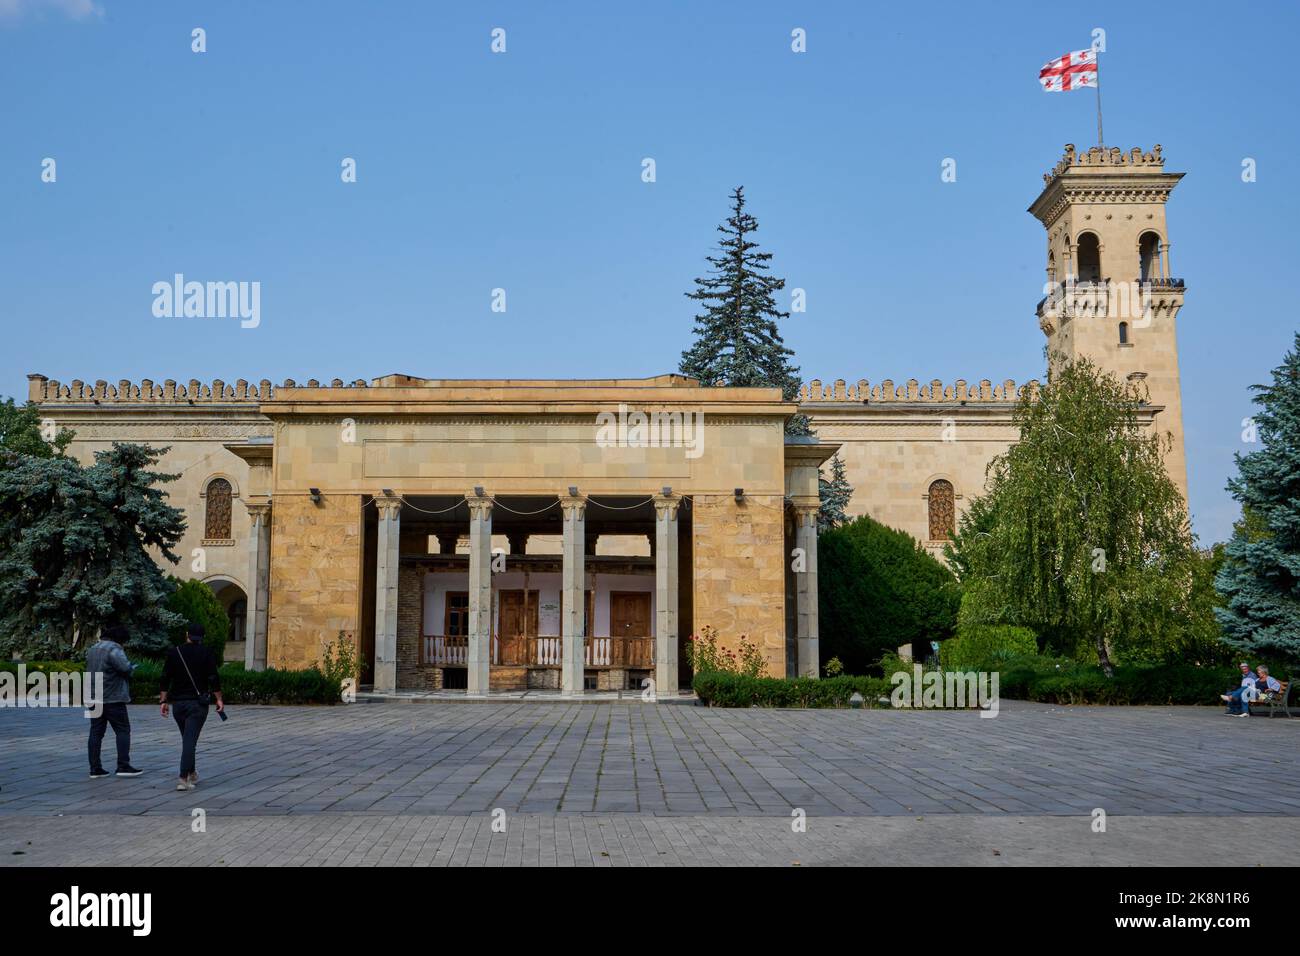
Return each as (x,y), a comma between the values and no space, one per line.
(646,783)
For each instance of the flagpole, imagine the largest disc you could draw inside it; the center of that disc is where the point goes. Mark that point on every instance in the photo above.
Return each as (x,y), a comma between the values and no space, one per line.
(1100,142)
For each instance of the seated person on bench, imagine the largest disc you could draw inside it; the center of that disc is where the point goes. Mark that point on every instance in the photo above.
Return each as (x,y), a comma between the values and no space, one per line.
(1233,697)
(1263,683)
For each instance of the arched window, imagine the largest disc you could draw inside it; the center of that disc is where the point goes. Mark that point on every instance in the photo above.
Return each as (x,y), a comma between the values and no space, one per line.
(216,522)
(942,510)
(1123,333)
(1088,268)
(1149,256)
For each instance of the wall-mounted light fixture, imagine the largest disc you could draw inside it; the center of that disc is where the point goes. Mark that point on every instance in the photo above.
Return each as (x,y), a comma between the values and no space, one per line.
(315,495)
(573,491)
(668,490)
(740,495)
(478,491)
(388,492)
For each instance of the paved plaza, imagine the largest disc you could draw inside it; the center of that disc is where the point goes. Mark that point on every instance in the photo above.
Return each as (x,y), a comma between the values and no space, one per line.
(630,782)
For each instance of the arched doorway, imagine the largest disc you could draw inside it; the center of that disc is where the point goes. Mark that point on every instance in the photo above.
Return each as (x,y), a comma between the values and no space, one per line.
(235,602)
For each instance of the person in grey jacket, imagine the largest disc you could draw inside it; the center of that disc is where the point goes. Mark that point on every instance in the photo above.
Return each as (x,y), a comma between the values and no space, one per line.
(107,658)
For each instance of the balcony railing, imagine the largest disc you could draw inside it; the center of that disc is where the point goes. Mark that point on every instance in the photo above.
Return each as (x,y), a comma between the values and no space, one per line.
(637,652)
(446,651)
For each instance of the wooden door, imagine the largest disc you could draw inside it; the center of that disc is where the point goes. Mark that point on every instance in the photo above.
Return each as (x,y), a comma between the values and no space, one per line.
(629,626)
(517,625)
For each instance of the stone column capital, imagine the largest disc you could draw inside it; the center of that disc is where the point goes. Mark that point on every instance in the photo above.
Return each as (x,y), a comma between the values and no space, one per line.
(258,510)
(480,506)
(389,508)
(666,506)
(806,514)
(573,505)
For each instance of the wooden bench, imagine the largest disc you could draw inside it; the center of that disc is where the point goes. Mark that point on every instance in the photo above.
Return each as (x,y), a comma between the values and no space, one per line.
(1274,700)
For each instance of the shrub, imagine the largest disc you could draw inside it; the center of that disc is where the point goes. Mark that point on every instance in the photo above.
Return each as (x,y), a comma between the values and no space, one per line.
(273,686)
(984,647)
(705,655)
(1033,677)
(341,661)
(238,686)
(1060,681)
(879,589)
(891,664)
(723,689)
(195,602)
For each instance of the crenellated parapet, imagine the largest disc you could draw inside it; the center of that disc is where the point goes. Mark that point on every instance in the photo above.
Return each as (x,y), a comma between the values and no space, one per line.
(170,391)
(1100,156)
(912,391)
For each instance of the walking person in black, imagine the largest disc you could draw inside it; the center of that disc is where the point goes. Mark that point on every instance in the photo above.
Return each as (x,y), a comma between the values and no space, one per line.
(189,681)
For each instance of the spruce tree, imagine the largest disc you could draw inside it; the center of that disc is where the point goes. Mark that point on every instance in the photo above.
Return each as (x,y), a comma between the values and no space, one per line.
(75,551)
(1260,577)
(835,494)
(737,342)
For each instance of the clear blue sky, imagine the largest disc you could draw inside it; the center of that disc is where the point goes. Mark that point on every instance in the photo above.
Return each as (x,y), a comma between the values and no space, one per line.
(523,171)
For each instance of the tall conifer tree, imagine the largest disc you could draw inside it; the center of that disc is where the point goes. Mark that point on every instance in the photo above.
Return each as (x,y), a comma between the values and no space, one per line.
(835,493)
(1260,577)
(736,337)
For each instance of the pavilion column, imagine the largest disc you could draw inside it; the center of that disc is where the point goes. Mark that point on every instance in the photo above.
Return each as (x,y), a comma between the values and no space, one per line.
(259,585)
(480,593)
(665,554)
(806,591)
(573,596)
(386,593)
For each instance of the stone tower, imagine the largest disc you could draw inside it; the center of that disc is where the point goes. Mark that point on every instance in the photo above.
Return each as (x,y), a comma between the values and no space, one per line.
(1111,295)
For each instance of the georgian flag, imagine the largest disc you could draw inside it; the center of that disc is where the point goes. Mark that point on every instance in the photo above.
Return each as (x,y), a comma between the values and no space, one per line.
(1070,72)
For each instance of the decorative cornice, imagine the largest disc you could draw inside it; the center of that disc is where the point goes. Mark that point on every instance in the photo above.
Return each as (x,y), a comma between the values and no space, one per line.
(91,429)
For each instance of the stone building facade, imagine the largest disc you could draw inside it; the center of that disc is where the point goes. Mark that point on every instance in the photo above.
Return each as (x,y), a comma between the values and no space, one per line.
(485,534)
(497,534)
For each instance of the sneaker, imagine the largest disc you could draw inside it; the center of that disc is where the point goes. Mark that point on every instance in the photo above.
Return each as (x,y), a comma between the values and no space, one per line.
(98,774)
(1244,713)
(194,778)
(184,784)
(128,771)
(1224,697)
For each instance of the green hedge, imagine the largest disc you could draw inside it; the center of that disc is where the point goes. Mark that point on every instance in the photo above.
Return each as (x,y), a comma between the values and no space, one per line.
(721,689)
(1043,679)
(238,686)
(1057,681)
(983,647)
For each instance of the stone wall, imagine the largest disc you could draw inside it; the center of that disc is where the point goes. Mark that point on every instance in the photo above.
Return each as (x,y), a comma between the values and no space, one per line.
(739,572)
(315,575)
(411,674)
